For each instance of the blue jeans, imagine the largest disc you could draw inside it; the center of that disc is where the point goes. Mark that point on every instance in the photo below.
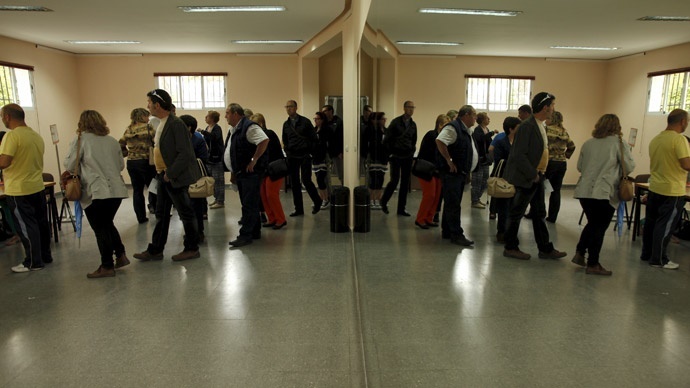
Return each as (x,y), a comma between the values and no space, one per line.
(167,197)
(249,187)
(533,196)
(452,187)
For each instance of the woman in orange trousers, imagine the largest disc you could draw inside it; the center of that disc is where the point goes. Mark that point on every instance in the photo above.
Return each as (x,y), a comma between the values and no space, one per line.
(431,189)
(270,188)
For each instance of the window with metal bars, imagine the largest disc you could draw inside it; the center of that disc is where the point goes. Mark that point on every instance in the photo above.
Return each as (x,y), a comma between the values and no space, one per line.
(16,86)
(668,90)
(498,93)
(194,90)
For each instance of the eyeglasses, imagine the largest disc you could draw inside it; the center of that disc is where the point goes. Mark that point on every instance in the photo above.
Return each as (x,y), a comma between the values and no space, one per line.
(290,106)
(411,107)
(548,97)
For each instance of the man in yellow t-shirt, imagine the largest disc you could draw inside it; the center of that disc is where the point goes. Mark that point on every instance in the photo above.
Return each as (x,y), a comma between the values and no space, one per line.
(669,165)
(21,159)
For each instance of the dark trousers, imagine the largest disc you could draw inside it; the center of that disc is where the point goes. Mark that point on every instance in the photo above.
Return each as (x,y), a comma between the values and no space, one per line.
(31,216)
(555,171)
(167,197)
(199,205)
(141,173)
(249,187)
(101,214)
(501,208)
(400,172)
(534,197)
(599,213)
(301,167)
(452,186)
(662,216)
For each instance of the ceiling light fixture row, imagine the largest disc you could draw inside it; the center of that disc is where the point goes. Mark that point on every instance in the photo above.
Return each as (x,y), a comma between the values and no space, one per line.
(237,8)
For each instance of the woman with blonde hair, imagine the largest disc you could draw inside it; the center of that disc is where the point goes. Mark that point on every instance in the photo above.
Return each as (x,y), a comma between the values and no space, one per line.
(100,163)
(431,189)
(600,164)
(135,144)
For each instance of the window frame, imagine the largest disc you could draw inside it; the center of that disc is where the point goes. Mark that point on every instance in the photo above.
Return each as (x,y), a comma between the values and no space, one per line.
(15,88)
(489,102)
(666,91)
(204,106)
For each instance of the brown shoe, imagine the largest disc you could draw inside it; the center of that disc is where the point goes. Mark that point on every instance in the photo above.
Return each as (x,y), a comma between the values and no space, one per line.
(147,256)
(186,255)
(579,259)
(516,254)
(598,270)
(121,261)
(554,254)
(101,273)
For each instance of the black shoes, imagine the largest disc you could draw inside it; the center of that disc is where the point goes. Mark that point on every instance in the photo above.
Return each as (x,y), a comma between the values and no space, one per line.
(403,213)
(462,240)
(277,227)
(296,213)
(384,208)
(240,242)
(423,226)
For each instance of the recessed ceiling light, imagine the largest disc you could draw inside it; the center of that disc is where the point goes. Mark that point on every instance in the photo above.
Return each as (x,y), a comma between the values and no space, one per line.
(665,19)
(475,12)
(267,41)
(237,8)
(584,48)
(31,8)
(428,43)
(102,41)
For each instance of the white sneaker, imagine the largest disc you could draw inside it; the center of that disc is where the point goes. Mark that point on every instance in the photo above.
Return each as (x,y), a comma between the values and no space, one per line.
(21,268)
(325,205)
(478,205)
(669,265)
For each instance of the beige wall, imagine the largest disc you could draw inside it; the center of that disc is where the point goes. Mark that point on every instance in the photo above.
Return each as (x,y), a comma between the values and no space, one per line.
(626,95)
(56,94)
(331,74)
(438,84)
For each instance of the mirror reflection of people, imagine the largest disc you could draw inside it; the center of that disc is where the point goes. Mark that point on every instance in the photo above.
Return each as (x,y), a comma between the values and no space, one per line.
(377,156)
(319,165)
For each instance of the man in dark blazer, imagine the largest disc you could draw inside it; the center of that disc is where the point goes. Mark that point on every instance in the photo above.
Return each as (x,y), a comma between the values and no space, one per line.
(401,141)
(176,169)
(525,169)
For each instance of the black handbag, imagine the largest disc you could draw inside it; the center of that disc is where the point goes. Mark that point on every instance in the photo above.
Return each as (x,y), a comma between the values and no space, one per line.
(277,169)
(424,169)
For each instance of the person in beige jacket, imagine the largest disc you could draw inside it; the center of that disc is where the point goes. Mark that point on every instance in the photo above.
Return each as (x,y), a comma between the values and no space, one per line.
(100,163)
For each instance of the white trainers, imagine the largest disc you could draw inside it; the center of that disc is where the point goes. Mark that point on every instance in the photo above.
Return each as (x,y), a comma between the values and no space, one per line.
(478,205)
(325,205)
(669,265)
(21,268)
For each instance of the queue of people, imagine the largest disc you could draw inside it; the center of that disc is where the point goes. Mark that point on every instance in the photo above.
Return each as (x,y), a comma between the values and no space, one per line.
(530,152)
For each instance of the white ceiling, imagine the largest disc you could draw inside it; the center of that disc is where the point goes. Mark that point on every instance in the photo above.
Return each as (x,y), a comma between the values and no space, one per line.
(164,29)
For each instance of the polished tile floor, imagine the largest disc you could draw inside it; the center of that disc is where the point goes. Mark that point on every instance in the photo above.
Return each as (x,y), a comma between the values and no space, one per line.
(303,307)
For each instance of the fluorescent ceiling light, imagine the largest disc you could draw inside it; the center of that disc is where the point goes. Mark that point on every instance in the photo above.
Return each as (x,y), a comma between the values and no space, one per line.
(267,41)
(102,42)
(32,8)
(236,8)
(428,43)
(584,48)
(665,19)
(475,12)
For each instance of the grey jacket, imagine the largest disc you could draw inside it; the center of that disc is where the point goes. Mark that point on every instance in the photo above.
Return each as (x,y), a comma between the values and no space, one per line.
(600,166)
(100,163)
(525,154)
(176,148)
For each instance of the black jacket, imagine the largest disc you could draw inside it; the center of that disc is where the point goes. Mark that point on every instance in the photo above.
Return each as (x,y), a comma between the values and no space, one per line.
(299,139)
(335,145)
(525,154)
(400,140)
(214,140)
(482,141)
(176,149)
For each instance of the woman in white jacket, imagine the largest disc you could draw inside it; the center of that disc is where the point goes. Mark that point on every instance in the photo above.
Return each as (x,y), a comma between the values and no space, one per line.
(600,165)
(100,164)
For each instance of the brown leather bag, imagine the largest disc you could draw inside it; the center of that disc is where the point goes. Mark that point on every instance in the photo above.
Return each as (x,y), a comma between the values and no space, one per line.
(71,183)
(626,191)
